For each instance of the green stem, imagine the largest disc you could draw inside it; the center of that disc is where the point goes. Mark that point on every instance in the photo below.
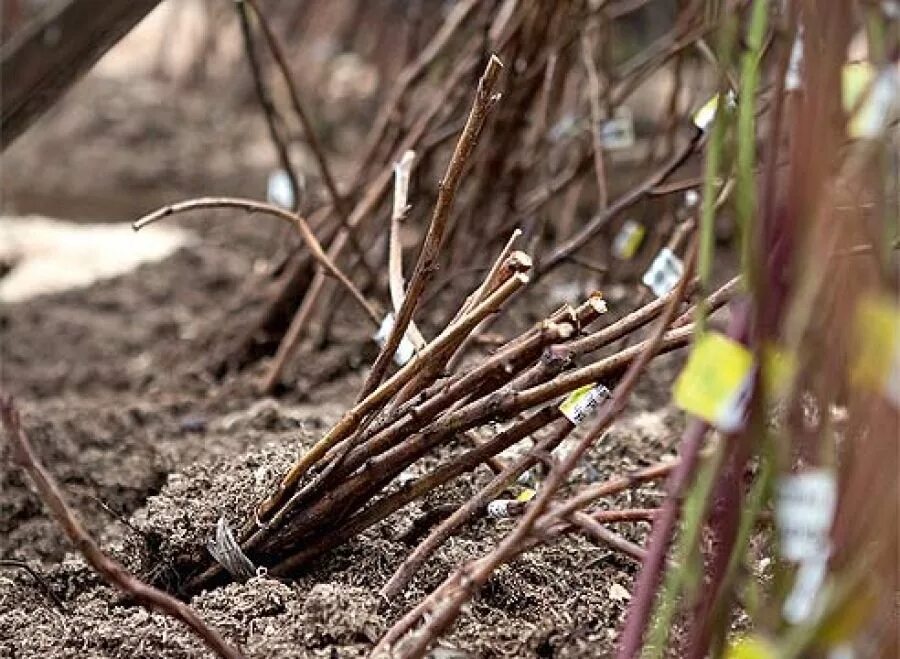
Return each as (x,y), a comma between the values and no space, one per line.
(745,192)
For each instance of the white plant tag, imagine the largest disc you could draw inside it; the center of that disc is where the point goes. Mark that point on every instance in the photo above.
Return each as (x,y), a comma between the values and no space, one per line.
(800,604)
(691,198)
(664,273)
(583,403)
(804,512)
(566,127)
(405,351)
(618,133)
(278,189)
(501,508)
(528,478)
(792,78)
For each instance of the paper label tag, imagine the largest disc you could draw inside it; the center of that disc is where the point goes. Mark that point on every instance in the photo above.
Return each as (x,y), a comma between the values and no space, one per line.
(793,76)
(877,360)
(800,604)
(501,508)
(705,115)
(876,95)
(278,189)
(804,511)
(628,240)
(528,478)
(691,198)
(618,133)
(566,127)
(405,351)
(582,403)
(525,495)
(664,273)
(716,382)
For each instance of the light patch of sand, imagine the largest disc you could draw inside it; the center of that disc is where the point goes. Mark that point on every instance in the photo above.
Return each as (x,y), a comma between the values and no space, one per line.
(50,255)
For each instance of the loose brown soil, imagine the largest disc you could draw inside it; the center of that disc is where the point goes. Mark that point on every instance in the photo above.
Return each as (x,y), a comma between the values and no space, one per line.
(115,386)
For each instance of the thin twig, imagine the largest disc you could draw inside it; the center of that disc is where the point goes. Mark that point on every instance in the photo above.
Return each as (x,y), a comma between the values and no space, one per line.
(402,169)
(370,198)
(627,200)
(265,101)
(252,206)
(449,598)
(594,93)
(312,138)
(38,579)
(484,101)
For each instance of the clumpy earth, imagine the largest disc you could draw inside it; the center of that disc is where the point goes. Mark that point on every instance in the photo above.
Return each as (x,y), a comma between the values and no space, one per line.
(117,398)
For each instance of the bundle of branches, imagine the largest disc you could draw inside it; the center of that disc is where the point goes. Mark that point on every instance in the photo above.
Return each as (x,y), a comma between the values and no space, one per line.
(342,485)
(548,146)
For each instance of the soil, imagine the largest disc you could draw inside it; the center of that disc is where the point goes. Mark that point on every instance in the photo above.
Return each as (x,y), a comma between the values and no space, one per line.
(115,387)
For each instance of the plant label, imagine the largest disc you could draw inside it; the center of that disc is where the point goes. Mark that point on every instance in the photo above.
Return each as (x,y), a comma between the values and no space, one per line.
(405,351)
(628,240)
(716,382)
(584,402)
(664,273)
(877,361)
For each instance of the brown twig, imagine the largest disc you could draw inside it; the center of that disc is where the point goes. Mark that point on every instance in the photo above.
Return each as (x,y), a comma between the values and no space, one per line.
(251,206)
(576,242)
(368,201)
(402,169)
(312,138)
(38,579)
(484,101)
(265,101)
(354,416)
(594,94)
(112,571)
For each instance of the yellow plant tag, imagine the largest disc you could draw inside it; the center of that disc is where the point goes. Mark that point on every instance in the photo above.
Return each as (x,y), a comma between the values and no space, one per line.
(583,402)
(872,98)
(705,115)
(855,80)
(526,495)
(877,363)
(751,647)
(779,369)
(628,240)
(716,381)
